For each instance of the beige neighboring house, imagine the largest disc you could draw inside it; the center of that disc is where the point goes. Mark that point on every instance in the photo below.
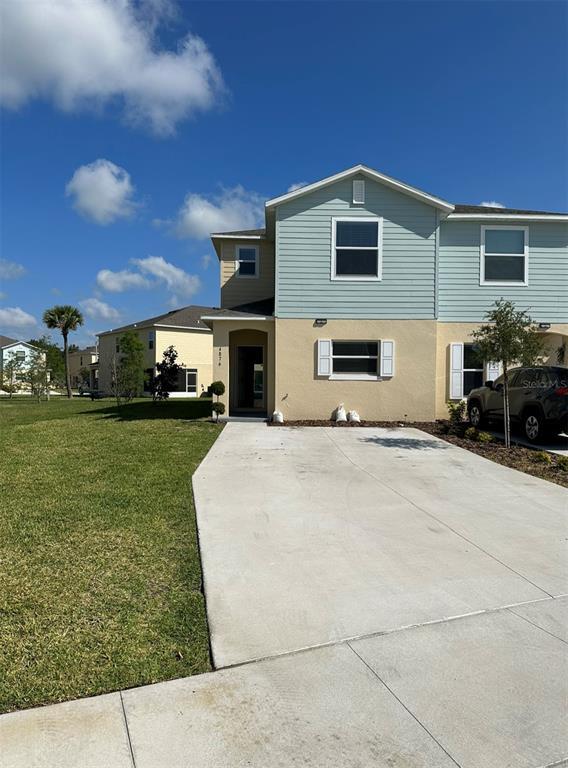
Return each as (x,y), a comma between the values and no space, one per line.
(180,328)
(361,289)
(80,366)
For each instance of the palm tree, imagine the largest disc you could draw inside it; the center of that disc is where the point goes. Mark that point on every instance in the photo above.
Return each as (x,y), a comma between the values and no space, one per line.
(66,318)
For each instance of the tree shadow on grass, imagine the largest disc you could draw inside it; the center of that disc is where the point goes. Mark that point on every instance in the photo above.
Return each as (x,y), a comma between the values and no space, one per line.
(147,410)
(406,443)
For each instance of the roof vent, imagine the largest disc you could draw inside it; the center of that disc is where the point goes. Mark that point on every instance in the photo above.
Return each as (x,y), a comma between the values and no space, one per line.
(358,191)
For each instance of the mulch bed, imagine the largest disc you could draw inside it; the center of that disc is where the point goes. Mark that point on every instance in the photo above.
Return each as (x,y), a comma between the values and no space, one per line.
(528,460)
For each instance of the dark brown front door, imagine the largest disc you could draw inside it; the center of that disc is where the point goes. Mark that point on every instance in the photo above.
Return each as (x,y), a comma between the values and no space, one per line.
(250,378)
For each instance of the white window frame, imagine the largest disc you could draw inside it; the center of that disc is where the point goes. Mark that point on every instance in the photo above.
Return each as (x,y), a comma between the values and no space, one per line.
(361,188)
(187,371)
(238,261)
(379,248)
(355,376)
(483,254)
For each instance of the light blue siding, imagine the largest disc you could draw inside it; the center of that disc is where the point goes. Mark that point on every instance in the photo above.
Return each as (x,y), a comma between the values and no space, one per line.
(303,255)
(462,298)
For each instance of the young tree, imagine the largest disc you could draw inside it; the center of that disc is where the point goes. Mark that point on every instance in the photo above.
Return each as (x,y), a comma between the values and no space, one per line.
(127,368)
(66,319)
(509,337)
(54,358)
(37,374)
(166,378)
(11,375)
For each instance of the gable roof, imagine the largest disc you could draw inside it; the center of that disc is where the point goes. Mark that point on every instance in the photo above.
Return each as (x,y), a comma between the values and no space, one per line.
(186,317)
(400,186)
(5,341)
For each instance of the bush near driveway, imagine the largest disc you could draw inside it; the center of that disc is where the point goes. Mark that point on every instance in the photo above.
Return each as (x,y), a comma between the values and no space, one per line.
(100,579)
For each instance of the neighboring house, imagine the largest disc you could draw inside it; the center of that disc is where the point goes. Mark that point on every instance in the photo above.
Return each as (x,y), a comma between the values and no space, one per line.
(20,351)
(364,290)
(80,362)
(180,328)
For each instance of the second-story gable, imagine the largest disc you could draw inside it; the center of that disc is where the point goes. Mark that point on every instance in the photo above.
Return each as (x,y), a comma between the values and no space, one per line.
(356,248)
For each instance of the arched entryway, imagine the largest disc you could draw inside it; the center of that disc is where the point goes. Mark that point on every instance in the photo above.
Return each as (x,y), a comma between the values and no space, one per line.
(248,366)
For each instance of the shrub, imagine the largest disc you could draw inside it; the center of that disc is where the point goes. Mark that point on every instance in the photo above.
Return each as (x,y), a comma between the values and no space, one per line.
(542,457)
(218,408)
(485,437)
(471,433)
(217,388)
(456,411)
(562,463)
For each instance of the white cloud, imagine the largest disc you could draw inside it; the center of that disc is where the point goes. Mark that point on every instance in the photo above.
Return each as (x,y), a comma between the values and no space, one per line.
(87,54)
(294,187)
(98,309)
(178,281)
(116,282)
(10,270)
(233,209)
(206,260)
(492,204)
(101,191)
(15,317)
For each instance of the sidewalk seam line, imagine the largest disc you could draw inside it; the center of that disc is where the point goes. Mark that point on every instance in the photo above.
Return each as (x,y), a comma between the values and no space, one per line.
(402,704)
(384,632)
(131,748)
(429,514)
(542,629)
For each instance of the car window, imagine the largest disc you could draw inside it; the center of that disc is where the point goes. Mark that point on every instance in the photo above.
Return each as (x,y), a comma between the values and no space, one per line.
(529,378)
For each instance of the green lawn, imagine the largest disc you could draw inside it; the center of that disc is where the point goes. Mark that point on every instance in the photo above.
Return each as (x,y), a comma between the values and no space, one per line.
(100,579)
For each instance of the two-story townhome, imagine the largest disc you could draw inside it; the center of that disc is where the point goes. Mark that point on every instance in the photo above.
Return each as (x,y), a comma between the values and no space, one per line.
(363,290)
(181,328)
(80,366)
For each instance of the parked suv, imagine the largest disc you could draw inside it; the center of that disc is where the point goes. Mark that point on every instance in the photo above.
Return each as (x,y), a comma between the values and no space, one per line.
(538,401)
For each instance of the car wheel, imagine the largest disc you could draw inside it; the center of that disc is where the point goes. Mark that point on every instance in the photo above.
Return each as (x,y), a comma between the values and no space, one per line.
(475,415)
(533,427)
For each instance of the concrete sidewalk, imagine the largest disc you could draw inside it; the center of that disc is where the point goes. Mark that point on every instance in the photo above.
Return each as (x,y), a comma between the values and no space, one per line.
(485,691)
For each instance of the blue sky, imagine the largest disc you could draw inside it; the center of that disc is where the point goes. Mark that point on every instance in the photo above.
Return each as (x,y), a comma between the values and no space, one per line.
(123,144)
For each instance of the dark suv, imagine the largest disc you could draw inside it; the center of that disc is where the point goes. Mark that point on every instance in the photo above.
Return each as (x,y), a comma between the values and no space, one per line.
(538,401)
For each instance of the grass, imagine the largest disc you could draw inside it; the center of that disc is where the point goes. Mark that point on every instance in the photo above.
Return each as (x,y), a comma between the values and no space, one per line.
(100,578)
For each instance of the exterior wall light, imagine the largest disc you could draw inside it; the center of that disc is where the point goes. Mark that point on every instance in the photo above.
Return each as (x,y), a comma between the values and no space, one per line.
(544,326)
(319,322)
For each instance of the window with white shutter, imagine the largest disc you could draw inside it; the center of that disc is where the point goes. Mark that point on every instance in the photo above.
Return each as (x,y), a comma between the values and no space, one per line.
(492,371)
(387,358)
(324,357)
(456,371)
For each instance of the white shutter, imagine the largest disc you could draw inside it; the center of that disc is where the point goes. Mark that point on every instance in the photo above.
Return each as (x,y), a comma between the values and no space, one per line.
(456,371)
(324,357)
(492,371)
(387,358)
(359,191)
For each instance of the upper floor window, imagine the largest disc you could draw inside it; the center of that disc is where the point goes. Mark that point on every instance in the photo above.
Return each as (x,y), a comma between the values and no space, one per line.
(246,261)
(504,255)
(356,248)
(150,339)
(20,355)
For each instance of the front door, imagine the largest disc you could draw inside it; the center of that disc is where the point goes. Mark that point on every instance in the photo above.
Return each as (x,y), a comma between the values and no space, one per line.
(250,378)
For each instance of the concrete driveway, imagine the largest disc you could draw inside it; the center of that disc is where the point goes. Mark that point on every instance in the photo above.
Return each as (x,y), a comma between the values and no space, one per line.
(313,535)
(377,599)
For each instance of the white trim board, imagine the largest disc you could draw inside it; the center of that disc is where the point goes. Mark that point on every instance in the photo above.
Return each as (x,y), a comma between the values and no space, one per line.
(400,186)
(506,217)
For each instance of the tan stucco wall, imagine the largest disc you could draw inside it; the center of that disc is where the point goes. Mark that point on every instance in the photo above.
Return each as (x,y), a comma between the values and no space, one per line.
(194,350)
(222,339)
(193,347)
(448,333)
(410,393)
(242,290)
(75,363)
